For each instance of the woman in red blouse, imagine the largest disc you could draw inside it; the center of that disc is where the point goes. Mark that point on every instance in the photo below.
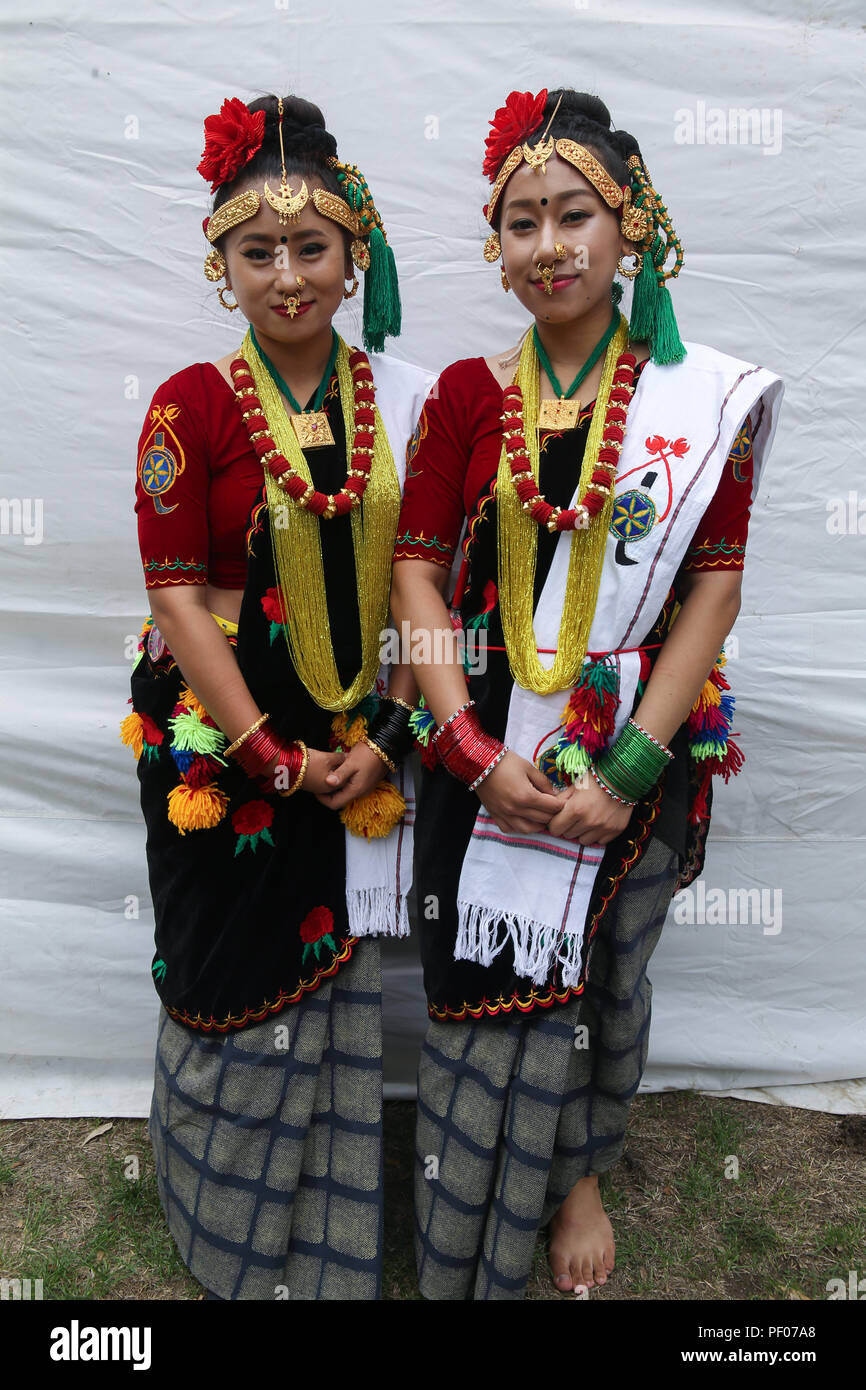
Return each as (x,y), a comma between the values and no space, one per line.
(268,494)
(600,478)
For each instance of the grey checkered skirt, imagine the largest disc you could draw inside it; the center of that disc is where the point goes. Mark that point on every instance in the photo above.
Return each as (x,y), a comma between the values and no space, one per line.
(511,1116)
(268,1145)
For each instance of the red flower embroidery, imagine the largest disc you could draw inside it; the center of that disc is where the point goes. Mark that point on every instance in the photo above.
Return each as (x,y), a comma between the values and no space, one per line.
(512,124)
(152,734)
(231,140)
(316,924)
(316,931)
(252,817)
(657,444)
(272,603)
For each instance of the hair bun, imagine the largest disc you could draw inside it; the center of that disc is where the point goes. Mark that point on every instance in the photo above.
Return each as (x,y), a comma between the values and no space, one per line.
(304,132)
(625,144)
(578,104)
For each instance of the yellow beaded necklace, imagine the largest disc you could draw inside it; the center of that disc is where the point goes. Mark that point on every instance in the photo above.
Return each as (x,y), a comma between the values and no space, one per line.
(517,542)
(296,538)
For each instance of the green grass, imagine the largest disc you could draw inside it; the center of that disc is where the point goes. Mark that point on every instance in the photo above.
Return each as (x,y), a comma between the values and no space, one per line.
(792,1220)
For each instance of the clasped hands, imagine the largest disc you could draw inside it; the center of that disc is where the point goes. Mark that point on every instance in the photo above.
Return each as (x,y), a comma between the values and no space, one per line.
(521,799)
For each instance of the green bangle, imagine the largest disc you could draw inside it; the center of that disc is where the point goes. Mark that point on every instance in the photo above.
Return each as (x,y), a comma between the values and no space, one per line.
(634,762)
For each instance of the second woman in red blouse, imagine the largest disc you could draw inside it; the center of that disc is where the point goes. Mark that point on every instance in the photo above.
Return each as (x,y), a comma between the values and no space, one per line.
(600,479)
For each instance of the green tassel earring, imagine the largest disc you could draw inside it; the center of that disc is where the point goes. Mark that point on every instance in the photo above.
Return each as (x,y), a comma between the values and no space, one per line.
(382,310)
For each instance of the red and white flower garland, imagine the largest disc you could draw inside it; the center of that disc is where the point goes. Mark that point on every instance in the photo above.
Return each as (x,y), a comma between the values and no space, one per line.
(603,469)
(322,504)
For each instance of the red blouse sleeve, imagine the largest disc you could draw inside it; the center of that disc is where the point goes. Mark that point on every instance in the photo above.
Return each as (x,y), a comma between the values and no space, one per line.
(437,458)
(719,541)
(171,489)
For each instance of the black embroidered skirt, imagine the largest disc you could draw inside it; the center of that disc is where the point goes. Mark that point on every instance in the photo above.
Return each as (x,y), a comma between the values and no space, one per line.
(249,893)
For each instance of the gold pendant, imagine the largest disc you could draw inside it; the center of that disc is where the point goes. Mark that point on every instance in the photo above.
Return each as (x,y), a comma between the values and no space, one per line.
(312,429)
(558,415)
(286,204)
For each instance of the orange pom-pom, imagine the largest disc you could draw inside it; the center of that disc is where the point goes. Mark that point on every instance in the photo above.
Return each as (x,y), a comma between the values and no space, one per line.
(192,702)
(132,733)
(196,808)
(356,731)
(375,814)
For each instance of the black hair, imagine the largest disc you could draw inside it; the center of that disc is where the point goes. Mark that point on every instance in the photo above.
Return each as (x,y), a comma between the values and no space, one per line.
(586,119)
(307,144)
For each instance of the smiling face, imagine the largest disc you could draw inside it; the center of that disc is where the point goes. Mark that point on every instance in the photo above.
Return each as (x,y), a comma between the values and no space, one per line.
(265,258)
(559,206)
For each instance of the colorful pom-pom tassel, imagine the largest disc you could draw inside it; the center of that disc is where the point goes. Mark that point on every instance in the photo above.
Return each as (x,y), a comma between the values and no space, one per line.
(589,719)
(710,744)
(192,702)
(132,734)
(191,732)
(196,808)
(422,724)
(201,770)
(373,816)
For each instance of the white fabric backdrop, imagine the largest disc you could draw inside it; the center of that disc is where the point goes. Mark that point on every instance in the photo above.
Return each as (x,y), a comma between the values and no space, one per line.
(103,298)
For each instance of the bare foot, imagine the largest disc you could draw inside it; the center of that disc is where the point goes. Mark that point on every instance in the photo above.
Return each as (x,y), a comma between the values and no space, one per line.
(581,1240)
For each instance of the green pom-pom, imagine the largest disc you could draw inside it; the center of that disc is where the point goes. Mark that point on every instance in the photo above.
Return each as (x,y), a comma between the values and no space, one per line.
(189,734)
(573,760)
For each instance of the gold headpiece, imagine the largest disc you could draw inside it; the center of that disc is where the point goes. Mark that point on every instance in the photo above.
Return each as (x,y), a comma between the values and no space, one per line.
(537,158)
(286,204)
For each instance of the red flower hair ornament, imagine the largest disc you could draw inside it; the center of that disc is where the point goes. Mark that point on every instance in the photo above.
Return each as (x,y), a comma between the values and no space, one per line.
(512,124)
(230,141)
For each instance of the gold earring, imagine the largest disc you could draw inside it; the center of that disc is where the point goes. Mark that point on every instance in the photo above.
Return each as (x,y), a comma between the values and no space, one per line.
(350,294)
(559,250)
(360,253)
(214,264)
(231,307)
(492,248)
(504,278)
(635,270)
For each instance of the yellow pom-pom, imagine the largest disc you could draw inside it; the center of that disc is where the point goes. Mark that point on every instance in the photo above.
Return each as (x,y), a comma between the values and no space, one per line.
(356,731)
(338,730)
(196,808)
(192,702)
(132,733)
(375,814)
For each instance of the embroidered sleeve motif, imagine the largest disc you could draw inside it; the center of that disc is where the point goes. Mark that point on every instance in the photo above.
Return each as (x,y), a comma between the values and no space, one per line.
(719,543)
(437,458)
(409,547)
(176,571)
(414,443)
(172,487)
(161,459)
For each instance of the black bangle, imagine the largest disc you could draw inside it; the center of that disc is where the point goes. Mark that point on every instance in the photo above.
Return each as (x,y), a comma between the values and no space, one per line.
(389,729)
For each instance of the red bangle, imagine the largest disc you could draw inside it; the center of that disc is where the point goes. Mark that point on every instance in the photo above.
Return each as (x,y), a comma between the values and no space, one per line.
(465,750)
(261,750)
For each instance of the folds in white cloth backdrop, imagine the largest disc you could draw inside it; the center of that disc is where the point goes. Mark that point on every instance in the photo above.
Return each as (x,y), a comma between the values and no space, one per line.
(752,131)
